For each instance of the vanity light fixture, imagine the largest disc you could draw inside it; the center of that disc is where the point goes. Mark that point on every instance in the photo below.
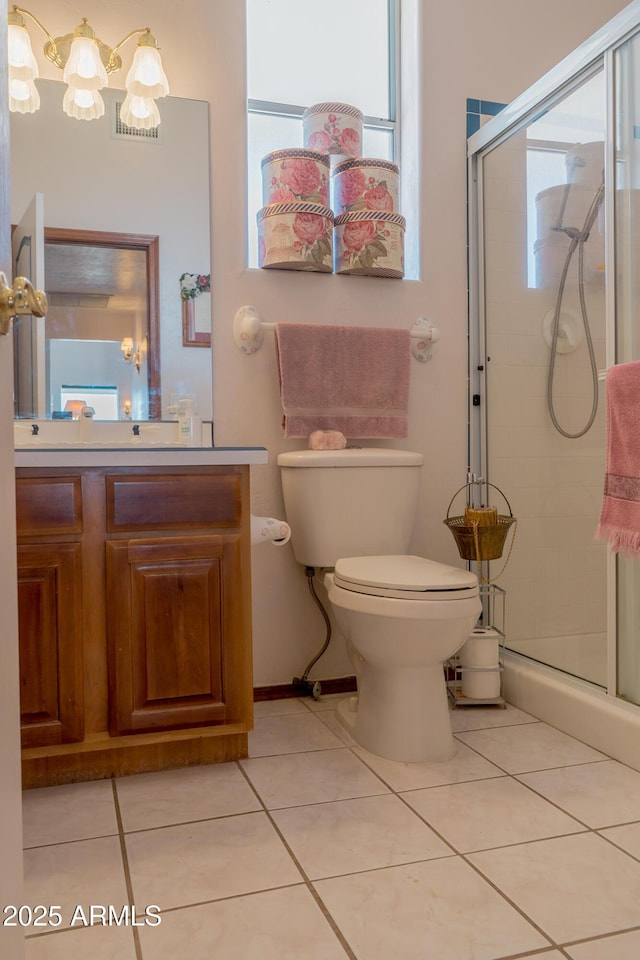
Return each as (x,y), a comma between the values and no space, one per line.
(87,63)
(129,354)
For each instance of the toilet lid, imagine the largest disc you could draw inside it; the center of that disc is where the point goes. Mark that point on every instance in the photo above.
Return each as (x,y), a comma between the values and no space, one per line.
(406,577)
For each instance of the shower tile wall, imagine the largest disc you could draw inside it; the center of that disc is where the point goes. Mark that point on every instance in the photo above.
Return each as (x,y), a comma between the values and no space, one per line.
(479,111)
(555,578)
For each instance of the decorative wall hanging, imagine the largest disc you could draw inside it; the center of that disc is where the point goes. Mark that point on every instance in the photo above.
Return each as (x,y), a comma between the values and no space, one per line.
(195,292)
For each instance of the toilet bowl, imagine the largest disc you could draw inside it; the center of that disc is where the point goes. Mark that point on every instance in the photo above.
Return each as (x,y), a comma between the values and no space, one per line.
(403,616)
(351,514)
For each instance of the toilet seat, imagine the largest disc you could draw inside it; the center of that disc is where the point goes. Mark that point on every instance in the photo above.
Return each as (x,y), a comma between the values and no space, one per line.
(404,578)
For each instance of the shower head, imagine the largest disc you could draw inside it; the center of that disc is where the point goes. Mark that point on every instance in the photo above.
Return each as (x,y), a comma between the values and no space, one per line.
(590,219)
(576,233)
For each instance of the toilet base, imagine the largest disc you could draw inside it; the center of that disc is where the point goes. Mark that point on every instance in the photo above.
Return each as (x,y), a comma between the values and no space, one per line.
(388,722)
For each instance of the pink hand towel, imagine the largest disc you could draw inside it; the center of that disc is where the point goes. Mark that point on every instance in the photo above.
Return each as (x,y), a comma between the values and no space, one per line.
(351,379)
(620,514)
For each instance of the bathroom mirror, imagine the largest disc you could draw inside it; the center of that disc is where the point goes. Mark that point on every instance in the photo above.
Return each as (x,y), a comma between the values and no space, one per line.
(126,214)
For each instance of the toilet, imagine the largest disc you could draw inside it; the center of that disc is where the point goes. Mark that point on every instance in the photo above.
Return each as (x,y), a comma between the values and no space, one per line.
(351,514)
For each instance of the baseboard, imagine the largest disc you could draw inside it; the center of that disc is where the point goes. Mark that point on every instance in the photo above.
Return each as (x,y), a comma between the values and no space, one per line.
(282,691)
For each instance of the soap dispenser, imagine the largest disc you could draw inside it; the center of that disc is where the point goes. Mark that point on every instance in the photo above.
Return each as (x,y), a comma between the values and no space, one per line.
(189,425)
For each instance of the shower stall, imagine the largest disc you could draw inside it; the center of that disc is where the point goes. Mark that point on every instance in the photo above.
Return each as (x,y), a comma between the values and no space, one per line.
(554,290)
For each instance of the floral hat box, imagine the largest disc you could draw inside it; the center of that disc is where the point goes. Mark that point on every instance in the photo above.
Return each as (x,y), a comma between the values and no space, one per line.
(370,243)
(365,184)
(295,236)
(295,174)
(333,128)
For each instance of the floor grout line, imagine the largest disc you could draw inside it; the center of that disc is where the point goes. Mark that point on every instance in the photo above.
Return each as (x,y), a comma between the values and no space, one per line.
(63,843)
(125,864)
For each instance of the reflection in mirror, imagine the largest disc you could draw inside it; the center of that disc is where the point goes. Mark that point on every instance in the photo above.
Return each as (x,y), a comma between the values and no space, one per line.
(99,282)
(139,201)
(102,290)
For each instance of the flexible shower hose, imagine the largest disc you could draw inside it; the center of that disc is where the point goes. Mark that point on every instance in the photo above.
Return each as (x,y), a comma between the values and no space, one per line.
(578,240)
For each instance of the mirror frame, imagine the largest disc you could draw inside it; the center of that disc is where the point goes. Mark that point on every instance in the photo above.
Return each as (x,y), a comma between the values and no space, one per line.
(190,336)
(151,247)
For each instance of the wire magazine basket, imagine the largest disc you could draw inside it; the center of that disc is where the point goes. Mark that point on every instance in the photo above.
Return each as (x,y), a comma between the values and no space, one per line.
(480,533)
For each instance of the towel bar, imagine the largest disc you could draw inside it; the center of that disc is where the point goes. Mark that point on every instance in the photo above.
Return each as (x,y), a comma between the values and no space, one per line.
(248,333)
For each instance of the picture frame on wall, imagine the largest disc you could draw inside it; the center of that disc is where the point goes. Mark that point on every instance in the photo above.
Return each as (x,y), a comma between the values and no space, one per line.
(196,321)
(195,292)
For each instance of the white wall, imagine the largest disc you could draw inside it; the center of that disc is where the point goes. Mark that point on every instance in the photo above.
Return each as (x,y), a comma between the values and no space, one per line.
(491,50)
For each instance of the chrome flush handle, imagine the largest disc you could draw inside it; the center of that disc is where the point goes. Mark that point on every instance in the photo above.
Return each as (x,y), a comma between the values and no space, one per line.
(20,300)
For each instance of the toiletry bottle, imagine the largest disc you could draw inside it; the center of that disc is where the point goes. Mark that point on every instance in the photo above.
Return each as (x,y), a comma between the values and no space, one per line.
(196,431)
(185,417)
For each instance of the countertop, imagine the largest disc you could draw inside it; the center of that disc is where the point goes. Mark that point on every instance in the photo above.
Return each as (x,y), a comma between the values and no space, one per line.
(142,456)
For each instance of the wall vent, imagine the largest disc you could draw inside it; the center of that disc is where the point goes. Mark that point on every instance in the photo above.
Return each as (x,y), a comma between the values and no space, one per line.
(122,131)
(78,299)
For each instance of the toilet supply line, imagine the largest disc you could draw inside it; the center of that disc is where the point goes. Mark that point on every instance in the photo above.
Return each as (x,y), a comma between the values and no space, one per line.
(302,684)
(249,329)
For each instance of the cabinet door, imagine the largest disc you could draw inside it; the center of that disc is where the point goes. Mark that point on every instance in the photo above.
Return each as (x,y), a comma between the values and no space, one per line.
(50,631)
(174,607)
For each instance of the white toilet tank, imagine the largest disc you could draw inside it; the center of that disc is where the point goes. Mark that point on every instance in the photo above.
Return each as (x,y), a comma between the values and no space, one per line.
(356,502)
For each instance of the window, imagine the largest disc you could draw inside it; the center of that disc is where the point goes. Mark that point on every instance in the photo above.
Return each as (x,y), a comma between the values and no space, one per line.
(301,52)
(546,168)
(104,400)
(565,161)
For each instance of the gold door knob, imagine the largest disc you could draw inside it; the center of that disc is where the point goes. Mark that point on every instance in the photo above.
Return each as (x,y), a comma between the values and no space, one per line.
(22,299)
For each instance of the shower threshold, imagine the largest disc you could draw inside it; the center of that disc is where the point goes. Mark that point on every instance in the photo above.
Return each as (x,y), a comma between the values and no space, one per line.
(583,656)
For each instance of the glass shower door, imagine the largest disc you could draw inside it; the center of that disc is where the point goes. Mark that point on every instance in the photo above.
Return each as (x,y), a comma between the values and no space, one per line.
(543,282)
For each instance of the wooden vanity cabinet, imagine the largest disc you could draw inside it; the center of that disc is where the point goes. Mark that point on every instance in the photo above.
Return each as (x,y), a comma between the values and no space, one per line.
(176,615)
(136,610)
(50,610)
(168,628)
(49,616)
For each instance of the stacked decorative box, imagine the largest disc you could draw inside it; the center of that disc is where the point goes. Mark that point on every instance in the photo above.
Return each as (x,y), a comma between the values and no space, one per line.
(368,231)
(296,227)
(333,128)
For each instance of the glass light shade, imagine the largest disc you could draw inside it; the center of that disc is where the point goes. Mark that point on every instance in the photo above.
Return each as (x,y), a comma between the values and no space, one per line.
(146,77)
(23,96)
(82,104)
(127,347)
(22,63)
(141,113)
(84,68)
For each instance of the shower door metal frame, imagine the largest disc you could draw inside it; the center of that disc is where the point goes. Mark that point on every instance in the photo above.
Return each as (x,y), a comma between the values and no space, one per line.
(610,331)
(597,53)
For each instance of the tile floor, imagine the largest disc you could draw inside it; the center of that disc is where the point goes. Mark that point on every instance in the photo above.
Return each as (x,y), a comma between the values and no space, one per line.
(525,844)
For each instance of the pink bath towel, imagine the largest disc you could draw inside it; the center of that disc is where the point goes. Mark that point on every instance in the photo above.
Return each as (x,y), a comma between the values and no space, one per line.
(351,379)
(620,515)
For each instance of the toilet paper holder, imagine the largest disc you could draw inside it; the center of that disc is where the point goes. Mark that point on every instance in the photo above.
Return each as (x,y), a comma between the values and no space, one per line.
(269,530)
